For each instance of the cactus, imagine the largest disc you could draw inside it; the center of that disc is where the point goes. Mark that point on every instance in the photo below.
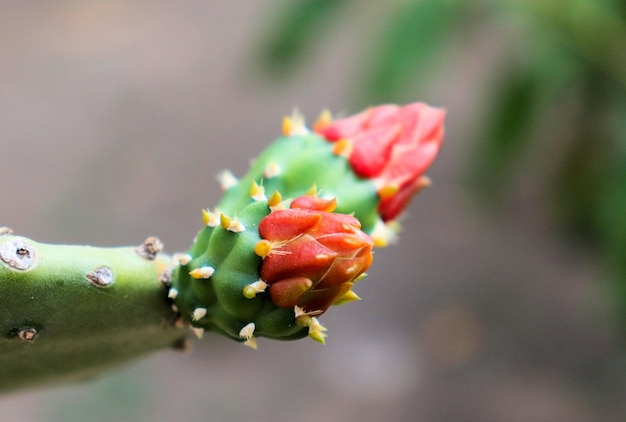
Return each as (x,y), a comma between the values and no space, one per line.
(287,241)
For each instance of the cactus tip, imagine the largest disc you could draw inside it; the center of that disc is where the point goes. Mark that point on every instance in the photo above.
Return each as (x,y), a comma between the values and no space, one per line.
(173,293)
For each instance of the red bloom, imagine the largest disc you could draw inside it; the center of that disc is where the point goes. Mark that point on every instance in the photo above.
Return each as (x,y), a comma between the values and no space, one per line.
(312,256)
(392,145)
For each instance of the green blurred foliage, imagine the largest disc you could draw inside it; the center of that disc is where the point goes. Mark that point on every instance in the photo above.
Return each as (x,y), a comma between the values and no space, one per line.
(562,79)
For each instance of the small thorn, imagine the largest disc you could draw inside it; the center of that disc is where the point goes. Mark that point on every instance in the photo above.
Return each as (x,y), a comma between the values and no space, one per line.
(274,200)
(312,191)
(252,289)
(317,331)
(174,308)
(251,343)
(350,296)
(294,124)
(236,226)
(257,192)
(323,121)
(184,259)
(305,318)
(247,331)
(343,148)
(173,293)
(384,233)
(271,170)
(263,248)
(202,272)
(227,180)
(388,191)
(199,332)
(210,218)
(198,313)
(225,221)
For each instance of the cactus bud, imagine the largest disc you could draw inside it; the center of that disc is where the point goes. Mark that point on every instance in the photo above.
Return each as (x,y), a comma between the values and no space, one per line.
(320,254)
(391,145)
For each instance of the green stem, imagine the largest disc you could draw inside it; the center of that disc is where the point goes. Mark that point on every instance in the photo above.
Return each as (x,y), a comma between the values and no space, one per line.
(67,312)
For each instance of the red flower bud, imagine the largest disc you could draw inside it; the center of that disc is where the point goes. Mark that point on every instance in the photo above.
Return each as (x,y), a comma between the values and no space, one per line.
(312,256)
(392,145)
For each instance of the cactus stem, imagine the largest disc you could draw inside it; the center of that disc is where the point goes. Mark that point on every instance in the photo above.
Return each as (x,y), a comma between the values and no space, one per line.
(252,289)
(257,191)
(101,277)
(227,180)
(173,293)
(150,248)
(271,170)
(27,334)
(202,272)
(198,313)
(18,255)
(343,147)
(5,231)
(184,259)
(199,332)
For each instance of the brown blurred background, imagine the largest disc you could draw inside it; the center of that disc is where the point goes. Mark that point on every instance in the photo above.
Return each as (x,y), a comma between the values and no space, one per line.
(115,118)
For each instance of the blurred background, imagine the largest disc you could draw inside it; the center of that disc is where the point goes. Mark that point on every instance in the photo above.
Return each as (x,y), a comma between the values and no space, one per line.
(504,300)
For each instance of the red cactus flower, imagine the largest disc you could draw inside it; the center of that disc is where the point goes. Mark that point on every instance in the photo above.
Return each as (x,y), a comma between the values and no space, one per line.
(312,256)
(392,145)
